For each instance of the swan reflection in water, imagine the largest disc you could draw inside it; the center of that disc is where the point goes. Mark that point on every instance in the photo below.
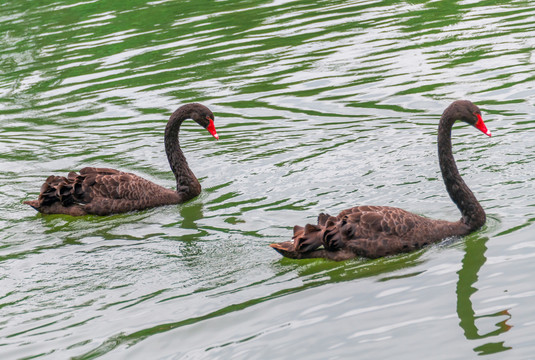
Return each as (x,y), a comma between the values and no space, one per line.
(473,261)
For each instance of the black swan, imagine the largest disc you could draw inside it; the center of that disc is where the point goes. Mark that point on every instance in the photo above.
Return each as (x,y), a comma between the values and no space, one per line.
(102,191)
(376,231)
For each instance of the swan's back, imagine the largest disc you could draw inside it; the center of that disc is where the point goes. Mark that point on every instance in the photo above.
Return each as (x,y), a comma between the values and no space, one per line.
(367,231)
(100,191)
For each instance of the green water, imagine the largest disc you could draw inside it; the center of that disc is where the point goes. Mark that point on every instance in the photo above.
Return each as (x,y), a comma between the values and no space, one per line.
(320,106)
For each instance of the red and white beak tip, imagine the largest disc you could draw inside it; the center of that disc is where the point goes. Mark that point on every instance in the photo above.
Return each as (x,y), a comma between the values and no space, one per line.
(480,125)
(211,129)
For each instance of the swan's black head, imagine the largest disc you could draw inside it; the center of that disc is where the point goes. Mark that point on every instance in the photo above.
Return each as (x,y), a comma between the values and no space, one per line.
(202,116)
(468,112)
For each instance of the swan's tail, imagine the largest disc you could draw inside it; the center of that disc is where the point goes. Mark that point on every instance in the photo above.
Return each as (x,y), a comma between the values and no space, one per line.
(306,240)
(58,191)
(32,203)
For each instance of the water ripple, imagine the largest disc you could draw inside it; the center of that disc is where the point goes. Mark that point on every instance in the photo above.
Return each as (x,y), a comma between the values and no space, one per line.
(320,106)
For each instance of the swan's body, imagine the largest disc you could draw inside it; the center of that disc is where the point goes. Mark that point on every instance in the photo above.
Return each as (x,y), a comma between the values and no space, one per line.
(102,191)
(376,231)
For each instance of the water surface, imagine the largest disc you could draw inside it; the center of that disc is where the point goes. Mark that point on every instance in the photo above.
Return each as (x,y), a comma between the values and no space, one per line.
(320,106)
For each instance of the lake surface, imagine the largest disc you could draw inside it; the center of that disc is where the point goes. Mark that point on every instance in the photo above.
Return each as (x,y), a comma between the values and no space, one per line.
(320,106)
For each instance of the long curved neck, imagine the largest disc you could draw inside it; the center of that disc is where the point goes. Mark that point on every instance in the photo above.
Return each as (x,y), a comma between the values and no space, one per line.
(187,185)
(473,214)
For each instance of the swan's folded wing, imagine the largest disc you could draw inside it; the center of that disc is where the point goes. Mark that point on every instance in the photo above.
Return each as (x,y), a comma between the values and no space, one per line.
(374,231)
(373,221)
(121,185)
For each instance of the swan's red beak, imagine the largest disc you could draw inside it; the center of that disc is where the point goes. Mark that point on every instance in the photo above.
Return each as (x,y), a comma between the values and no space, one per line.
(211,129)
(480,125)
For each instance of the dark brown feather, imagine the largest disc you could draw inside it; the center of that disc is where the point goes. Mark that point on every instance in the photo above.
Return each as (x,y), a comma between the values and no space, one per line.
(100,191)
